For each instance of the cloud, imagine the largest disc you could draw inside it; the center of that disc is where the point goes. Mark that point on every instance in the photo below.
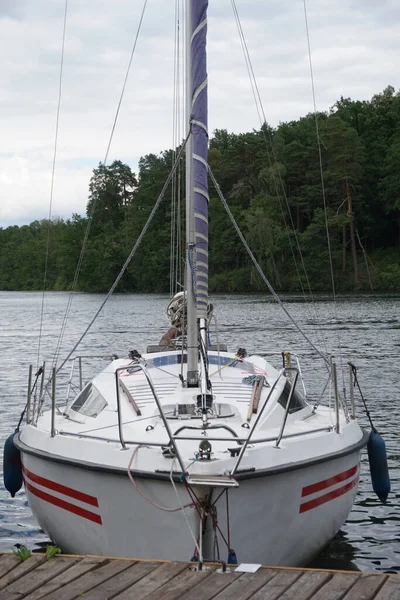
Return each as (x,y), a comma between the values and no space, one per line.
(355,44)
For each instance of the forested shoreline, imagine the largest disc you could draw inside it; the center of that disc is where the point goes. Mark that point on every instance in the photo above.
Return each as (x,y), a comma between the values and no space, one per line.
(272,182)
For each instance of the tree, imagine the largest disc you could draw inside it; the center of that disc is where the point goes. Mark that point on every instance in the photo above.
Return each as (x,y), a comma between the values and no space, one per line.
(111,188)
(272,181)
(389,186)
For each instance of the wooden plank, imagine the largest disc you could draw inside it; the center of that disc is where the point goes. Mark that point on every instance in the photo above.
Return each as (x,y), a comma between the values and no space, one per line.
(7,563)
(390,589)
(337,587)
(152,581)
(277,585)
(211,586)
(306,586)
(120,582)
(83,584)
(41,575)
(366,587)
(180,585)
(130,397)
(247,585)
(81,568)
(20,570)
(100,578)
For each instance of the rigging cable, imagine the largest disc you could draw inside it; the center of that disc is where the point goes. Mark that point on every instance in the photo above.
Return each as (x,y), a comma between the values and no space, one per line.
(92,210)
(260,271)
(52,181)
(175,229)
(263,123)
(174,129)
(181,127)
(323,188)
(133,251)
(265,132)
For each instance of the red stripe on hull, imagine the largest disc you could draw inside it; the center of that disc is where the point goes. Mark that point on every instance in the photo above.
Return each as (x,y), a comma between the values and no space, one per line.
(328,497)
(77,510)
(61,489)
(321,485)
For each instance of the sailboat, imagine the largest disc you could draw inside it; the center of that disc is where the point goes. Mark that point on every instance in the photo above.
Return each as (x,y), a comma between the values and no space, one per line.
(186,449)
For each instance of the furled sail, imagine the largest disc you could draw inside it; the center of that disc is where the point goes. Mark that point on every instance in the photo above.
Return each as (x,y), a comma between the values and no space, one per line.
(200,150)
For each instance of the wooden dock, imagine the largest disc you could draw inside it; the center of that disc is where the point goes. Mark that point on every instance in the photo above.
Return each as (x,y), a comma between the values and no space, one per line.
(100,578)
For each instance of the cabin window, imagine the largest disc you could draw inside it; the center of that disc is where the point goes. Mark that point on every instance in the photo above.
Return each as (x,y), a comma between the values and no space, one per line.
(89,402)
(297,402)
(178,358)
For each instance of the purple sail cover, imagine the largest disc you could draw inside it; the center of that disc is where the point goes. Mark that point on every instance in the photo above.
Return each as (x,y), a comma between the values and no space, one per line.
(200,149)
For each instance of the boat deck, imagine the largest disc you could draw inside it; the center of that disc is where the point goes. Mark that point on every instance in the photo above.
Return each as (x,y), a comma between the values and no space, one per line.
(100,578)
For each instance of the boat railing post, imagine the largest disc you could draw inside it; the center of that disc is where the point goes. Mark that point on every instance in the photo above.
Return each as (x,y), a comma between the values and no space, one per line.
(318,402)
(244,447)
(71,375)
(53,403)
(120,432)
(301,377)
(80,373)
(289,400)
(28,399)
(335,386)
(353,406)
(42,380)
(36,404)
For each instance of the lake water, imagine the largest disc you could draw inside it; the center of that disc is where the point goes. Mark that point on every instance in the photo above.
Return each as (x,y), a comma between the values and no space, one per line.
(365,328)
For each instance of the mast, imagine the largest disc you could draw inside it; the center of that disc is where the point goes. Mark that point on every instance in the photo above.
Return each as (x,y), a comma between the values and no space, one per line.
(196,182)
(192,351)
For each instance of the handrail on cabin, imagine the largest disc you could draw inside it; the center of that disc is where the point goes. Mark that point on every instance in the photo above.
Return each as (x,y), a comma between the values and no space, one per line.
(159,406)
(244,447)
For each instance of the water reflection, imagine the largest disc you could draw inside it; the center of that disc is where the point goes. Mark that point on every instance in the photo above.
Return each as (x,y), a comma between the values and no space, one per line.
(339,555)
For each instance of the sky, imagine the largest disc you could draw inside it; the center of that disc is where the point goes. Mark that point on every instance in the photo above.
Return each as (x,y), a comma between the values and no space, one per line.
(355,45)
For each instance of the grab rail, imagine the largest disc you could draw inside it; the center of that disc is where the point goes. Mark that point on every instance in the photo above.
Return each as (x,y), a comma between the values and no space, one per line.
(160,410)
(232,431)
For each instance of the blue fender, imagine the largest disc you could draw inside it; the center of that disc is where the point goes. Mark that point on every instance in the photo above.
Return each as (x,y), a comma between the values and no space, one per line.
(378,466)
(12,469)
(232,558)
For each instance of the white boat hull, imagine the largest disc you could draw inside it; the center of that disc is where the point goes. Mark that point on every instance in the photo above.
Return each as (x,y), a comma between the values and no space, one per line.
(276,519)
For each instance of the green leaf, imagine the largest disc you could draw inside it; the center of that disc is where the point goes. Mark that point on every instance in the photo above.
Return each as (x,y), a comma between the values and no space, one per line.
(51,551)
(22,553)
